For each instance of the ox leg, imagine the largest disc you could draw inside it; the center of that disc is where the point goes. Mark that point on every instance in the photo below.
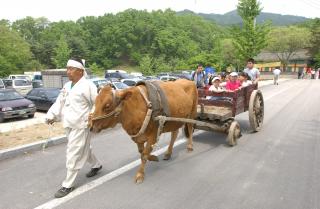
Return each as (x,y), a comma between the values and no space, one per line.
(189,132)
(174,135)
(144,157)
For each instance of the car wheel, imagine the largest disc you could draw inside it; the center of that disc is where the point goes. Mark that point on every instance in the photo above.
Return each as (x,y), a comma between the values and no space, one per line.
(31,116)
(1,119)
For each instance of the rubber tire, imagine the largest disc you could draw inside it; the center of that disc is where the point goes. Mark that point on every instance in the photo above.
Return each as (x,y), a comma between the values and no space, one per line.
(233,134)
(31,116)
(255,126)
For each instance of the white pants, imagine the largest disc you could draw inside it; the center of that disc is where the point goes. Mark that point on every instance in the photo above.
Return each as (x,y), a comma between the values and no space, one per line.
(78,153)
(275,79)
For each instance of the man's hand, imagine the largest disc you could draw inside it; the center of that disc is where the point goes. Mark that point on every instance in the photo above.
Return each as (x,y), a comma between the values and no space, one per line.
(49,121)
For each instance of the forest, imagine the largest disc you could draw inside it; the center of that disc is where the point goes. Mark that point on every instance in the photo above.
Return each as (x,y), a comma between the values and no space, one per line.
(149,42)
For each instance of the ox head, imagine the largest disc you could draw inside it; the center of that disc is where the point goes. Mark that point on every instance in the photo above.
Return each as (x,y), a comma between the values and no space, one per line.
(108,106)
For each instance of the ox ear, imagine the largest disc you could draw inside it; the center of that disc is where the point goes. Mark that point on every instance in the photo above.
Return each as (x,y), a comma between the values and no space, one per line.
(125,95)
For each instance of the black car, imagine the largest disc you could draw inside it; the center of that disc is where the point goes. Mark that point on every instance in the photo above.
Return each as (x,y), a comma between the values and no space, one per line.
(43,98)
(14,105)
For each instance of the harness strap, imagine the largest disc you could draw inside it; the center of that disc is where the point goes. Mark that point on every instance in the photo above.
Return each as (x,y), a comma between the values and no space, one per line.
(148,115)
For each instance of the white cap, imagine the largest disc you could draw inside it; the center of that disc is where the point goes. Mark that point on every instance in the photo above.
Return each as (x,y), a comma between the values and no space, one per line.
(234,74)
(215,78)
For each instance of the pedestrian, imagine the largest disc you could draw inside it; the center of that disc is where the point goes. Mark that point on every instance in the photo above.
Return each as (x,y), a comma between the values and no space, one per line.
(300,73)
(199,77)
(276,76)
(252,72)
(73,107)
(313,73)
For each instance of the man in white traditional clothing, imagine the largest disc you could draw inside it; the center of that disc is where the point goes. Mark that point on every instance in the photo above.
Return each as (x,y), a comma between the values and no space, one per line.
(73,107)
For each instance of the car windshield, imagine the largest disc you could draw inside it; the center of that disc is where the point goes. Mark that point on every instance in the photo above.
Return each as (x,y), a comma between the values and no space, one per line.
(22,83)
(101,82)
(125,75)
(120,85)
(9,95)
(52,93)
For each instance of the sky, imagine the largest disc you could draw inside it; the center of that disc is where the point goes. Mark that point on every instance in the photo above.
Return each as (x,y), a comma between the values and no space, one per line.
(56,10)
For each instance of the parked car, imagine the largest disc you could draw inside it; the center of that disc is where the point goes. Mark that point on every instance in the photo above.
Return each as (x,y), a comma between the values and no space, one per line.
(14,105)
(119,85)
(99,82)
(151,78)
(27,77)
(118,75)
(168,78)
(37,84)
(43,98)
(2,86)
(131,81)
(22,86)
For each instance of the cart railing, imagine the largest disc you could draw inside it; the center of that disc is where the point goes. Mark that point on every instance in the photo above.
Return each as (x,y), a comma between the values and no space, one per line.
(237,101)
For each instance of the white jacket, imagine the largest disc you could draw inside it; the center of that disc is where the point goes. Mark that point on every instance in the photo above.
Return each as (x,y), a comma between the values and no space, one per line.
(73,105)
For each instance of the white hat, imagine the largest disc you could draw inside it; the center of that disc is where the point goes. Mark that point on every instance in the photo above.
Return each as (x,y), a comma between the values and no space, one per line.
(215,78)
(234,74)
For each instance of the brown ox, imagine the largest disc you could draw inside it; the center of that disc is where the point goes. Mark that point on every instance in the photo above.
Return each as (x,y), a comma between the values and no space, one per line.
(129,108)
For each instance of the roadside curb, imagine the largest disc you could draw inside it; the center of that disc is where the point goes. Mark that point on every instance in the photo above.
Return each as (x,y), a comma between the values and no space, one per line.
(36,146)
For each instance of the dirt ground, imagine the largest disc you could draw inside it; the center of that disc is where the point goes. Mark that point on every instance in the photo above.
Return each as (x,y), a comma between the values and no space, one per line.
(29,134)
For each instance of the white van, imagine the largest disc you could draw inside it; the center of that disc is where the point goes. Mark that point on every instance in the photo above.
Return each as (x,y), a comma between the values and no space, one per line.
(23,86)
(20,77)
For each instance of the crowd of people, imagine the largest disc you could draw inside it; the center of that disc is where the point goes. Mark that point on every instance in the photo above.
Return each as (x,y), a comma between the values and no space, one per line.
(224,81)
(309,73)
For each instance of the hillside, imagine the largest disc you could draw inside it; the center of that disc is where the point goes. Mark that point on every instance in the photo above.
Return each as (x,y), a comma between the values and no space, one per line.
(232,17)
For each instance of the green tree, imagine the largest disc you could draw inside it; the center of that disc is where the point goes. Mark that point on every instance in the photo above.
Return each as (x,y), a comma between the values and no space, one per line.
(315,41)
(62,53)
(146,65)
(15,52)
(287,41)
(251,38)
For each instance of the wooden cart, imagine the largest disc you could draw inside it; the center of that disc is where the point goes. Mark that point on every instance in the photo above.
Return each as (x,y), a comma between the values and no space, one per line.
(217,111)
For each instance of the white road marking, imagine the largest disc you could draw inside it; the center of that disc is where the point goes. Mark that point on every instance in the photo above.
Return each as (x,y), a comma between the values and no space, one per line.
(93,184)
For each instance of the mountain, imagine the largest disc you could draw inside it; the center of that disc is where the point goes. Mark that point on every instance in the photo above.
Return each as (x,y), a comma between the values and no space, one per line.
(232,17)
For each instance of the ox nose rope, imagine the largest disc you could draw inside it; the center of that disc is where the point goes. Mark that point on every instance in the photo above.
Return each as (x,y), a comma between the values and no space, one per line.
(50,132)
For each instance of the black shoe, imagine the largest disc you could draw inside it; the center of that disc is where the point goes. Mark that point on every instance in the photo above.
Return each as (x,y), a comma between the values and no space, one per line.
(93,172)
(63,191)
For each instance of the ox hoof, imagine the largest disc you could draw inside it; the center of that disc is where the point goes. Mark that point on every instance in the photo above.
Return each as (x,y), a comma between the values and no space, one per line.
(139,179)
(167,157)
(153,158)
(190,149)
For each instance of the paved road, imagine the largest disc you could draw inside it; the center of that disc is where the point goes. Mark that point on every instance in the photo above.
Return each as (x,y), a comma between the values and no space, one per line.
(275,168)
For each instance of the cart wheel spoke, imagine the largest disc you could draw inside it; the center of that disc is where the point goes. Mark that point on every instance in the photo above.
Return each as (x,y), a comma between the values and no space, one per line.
(256,110)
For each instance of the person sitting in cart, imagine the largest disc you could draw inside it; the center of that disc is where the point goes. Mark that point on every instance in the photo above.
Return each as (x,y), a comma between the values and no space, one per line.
(244,79)
(215,87)
(233,84)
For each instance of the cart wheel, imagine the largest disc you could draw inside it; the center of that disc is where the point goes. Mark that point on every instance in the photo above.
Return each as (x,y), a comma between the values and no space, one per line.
(234,133)
(256,110)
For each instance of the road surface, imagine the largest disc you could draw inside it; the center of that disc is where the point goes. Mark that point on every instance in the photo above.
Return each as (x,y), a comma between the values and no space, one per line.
(278,167)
